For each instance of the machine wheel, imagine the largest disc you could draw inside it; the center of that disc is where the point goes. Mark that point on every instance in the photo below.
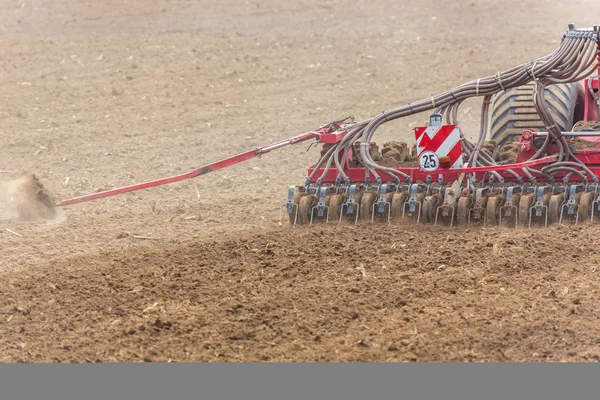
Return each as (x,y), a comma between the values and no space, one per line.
(357,199)
(513,219)
(512,110)
(554,206)
(305,206)
(315,217)
(419,209)
(478,211)
(366,204)
(420,198)
(492,209)
(398,201)
(525,204)
(577,201)
(544,219)
(585,207)
(430,205)
(352,217)
(462,210)
(335,207)
(384,216)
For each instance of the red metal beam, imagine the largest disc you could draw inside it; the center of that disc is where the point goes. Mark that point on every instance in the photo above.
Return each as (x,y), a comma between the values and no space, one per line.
(358,174)
(196,172)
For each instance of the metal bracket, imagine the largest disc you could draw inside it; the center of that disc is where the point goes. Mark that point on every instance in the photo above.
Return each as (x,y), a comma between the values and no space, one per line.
(350,203)
(412,202)
(508,205)
(289,204)
(571,204)
(476,211)
(447,207)
(539,203)
(320,207)
(381,203)
(539,206)
(428,181)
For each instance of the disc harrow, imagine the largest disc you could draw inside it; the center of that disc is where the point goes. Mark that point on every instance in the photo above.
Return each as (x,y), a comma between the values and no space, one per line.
(504,206)
(548,177)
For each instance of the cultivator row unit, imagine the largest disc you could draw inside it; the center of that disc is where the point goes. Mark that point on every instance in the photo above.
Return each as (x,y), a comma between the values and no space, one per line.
(535,161)
(436,193)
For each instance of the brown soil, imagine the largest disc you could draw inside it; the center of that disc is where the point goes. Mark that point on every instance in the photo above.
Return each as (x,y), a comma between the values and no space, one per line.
(581,144)
(509,152)
(104,94)
(397,155)
(393,161)
(365,293)
(587,126)
(357,161)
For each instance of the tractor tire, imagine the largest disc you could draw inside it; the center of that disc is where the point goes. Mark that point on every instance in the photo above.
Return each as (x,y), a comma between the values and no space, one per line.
(512,110)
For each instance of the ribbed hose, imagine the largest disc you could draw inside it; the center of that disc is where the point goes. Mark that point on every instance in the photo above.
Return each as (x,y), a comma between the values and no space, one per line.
(574,59)
(487,86)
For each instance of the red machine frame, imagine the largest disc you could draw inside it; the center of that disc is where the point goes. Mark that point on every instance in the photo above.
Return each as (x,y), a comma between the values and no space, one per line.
(335,132)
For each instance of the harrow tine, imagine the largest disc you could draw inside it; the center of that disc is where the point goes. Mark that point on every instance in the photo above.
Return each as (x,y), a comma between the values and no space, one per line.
(562,209)
(350,205)
(480,211)
(290,205)
(539,210)
(381,203)
(509,208)
(513,209)
(321,207)
(571,205)
(409,205)
(412,203)
(350,208)
(295,207)
(444,208)
(477,209)
(448,205)
(312,212)
(389,210)
(539,206)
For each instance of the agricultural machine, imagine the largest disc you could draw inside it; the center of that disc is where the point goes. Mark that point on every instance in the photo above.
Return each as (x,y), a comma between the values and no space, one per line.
(541,165)
(536,160)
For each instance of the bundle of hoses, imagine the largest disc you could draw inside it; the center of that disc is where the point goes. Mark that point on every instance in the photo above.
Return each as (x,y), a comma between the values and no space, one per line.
(574,60)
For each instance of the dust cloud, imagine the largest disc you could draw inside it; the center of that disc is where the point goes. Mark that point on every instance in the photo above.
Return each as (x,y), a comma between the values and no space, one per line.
(26,199)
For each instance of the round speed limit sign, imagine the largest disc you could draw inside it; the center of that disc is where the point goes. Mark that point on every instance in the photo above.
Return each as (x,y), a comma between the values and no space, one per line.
(429,161)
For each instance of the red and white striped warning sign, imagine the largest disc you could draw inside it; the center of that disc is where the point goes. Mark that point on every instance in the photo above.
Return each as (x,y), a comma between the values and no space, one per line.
(435,142)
